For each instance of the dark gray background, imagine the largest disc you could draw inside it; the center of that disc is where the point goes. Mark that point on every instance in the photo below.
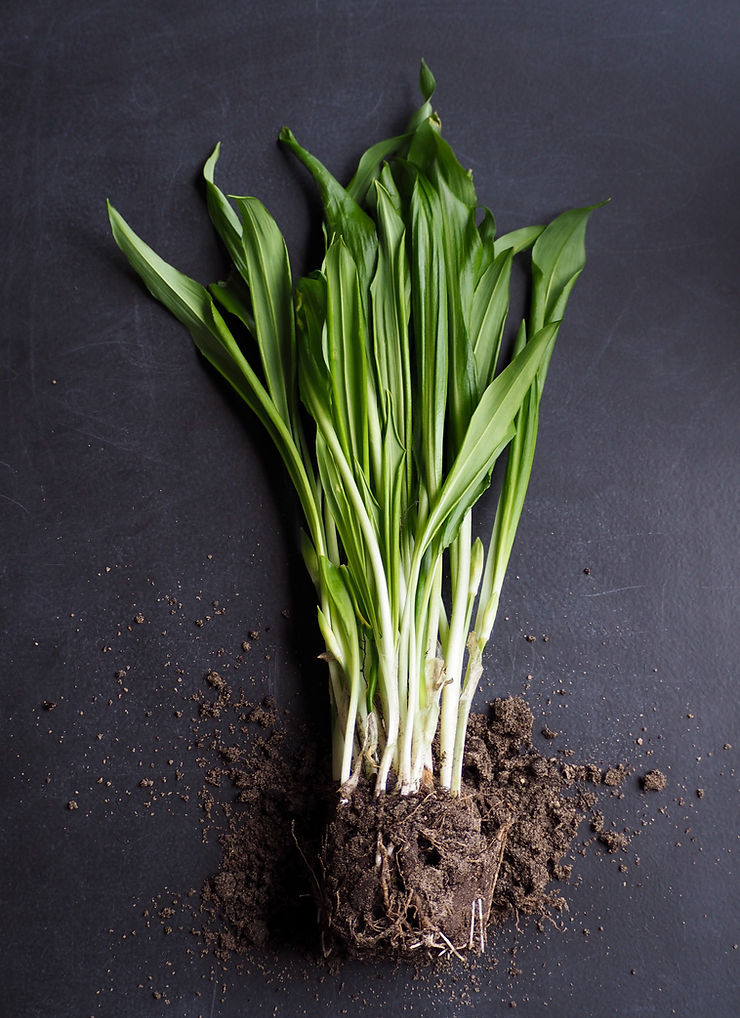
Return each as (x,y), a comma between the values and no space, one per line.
(127,476)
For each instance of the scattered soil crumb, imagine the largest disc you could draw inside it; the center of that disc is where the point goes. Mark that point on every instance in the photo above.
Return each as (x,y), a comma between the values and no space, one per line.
(653,781)
(613,841)
(615,776)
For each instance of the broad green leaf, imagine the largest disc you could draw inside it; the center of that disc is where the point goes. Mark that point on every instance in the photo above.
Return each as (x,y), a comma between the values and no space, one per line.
(344,216)
(558,257)
(393,489)
(518,240)
(359,573)
(270,287)
(520,456)
(429,299)
(343,618)
(370,165)
(487,229)
(487,233)
(391,309)
(233,296)
(387,180)
(456,233)
(192,305)
(490,306)
(432,155)
(427,84)
(491,427)
(223,216)
(346,354)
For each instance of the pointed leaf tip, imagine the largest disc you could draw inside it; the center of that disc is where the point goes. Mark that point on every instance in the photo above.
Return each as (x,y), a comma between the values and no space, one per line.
(427,84)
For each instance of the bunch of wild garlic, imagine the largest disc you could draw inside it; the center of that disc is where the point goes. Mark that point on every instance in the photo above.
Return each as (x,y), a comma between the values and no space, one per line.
(383,384)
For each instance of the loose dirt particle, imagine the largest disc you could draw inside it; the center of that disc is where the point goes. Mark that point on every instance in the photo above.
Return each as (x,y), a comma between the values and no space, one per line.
(653,781)
(615,776)
(613,841)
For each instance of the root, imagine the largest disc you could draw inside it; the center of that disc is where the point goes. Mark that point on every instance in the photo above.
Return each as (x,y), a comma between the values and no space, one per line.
(429,886)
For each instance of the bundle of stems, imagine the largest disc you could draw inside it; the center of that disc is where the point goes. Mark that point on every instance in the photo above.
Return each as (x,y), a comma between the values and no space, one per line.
(385,383)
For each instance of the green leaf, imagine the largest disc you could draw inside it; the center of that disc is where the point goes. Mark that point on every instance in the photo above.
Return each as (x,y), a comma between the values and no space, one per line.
(359,573)
(268,275)
(520,457)
(490,306)
(456,234)
(192,305)
(233,296)
(431,154)
(370,166)
(344,216)
(491,427)
(429,299)
(346,354)
(391,309)
(223,216)
(558,258)
(343,617)
(518,240)
(427,84)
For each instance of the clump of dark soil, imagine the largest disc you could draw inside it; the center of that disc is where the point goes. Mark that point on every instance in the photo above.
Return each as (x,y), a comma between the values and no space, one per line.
(653,781)
(417,877)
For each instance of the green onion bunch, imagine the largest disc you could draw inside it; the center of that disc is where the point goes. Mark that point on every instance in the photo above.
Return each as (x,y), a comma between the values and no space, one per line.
(384,381)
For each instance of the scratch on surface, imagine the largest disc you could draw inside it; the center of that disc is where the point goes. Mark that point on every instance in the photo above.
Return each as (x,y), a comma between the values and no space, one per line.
(14,501)
(627,304)
(615,590)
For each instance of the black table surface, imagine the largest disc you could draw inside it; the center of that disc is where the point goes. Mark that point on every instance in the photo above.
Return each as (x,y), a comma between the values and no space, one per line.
(132,485)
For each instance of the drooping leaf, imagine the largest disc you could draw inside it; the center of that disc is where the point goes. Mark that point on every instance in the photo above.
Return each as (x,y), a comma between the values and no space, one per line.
(192,305)
(344,216)
(223,216)
(518,240)
(233,296)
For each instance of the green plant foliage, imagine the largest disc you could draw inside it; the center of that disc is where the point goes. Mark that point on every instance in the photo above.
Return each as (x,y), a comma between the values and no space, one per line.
(383,381)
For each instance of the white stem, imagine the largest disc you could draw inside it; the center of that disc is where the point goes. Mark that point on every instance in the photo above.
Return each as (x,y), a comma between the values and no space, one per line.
(387,663)
(349,730)
(455,652)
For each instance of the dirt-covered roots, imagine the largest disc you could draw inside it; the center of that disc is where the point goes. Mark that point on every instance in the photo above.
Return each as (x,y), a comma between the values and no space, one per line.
(412,874)
(427,875)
